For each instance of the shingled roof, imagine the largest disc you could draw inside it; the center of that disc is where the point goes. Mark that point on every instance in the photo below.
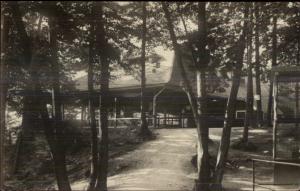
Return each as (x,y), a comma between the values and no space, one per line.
(122,80)
(169,75)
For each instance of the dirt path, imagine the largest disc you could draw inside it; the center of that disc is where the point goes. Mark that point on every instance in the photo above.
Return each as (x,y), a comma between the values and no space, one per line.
(161,164)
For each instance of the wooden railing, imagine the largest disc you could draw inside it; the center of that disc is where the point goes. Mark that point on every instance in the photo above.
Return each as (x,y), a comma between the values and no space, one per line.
(255,184)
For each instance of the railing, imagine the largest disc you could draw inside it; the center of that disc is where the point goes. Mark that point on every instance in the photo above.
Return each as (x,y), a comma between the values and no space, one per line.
(171,121)
(254,184)
(125,121)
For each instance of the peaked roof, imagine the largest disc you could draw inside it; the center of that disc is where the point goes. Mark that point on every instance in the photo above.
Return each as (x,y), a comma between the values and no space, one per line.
(154,77)
(169,75)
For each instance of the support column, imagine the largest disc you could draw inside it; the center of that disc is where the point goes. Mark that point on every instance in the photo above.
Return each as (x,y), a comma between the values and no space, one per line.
(154,106)
(82,113)
(115,112)
(62,111)
(165,116)
(180,119)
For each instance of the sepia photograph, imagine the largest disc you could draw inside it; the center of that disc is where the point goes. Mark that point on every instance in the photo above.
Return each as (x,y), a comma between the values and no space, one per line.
(150,95)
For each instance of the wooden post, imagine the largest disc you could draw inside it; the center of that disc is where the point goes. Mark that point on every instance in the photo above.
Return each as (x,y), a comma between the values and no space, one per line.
(180,119)
(275,99)
(154,112)
(62,111)
(115,113)
(154,106)
(165,118)
(81,117)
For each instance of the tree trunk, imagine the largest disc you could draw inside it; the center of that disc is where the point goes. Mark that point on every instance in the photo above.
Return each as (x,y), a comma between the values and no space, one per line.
(274,63)
(92,114)
(249,99)
(5,25)
(101,183)
(144,126)
(186,83)
(202,153)
(29,103)
(259,114)
(297,89)
(231,106)
(59,151)
(203,166)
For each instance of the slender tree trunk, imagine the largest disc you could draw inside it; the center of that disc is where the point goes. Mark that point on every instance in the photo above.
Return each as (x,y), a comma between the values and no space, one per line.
(101,183)
(186,83)
(231,106)
(274,63)
(144,126)
(92,114)
(259,114)
(297,89)
(5,25)
(59,152)
(249,99)
(204,163)
(202,153)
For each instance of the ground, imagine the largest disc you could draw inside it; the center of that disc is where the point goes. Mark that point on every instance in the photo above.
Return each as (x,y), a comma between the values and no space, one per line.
(164,163)
(160,164)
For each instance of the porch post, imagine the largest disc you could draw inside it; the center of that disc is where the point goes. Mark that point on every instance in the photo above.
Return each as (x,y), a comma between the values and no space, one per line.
(115,112)
(165,116)
(62,111)
(154,112)
(154,106)
(82,113)
(180,119)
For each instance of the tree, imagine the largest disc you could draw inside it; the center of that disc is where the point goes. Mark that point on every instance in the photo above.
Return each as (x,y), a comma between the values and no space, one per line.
(259,112)
(5,25)
(231,103)
(53,130)
(101,44)
(144,126)
(92,116)
(203,154)
(59,160)
(203,162)
(249,99)
(274,63)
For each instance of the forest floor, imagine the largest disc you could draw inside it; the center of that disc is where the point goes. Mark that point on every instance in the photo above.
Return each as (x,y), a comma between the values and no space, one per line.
(164,163)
